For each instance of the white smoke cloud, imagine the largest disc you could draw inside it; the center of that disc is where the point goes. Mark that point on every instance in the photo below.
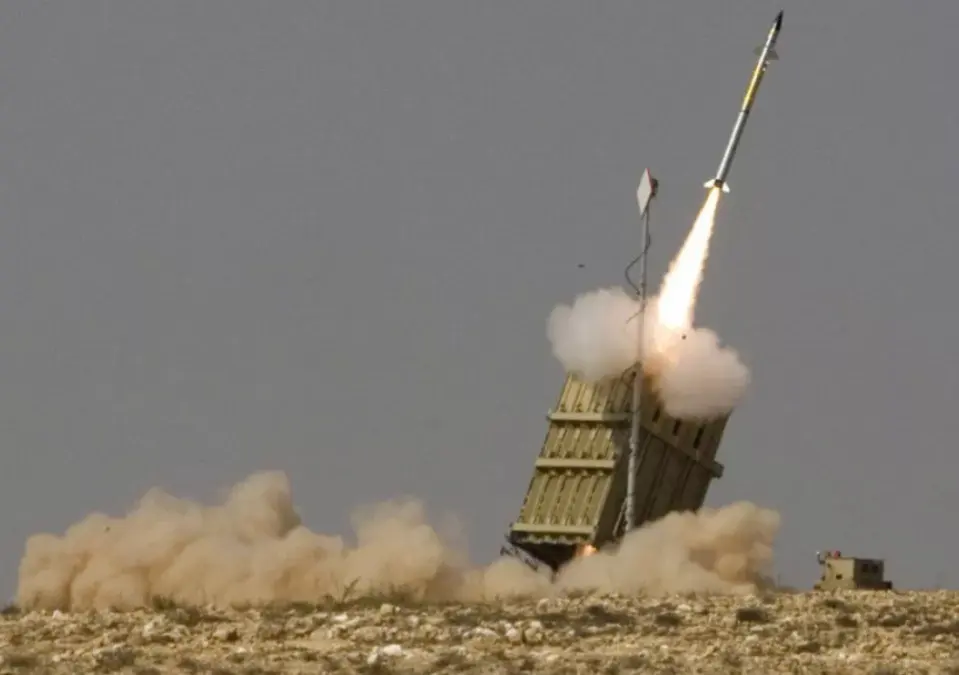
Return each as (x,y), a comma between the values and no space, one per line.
(597,337)
(702,378)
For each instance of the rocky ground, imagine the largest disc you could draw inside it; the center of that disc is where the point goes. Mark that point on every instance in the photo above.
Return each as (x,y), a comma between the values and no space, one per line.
(851,632)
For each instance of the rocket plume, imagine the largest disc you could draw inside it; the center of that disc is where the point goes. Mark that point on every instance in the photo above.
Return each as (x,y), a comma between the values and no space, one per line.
(695,376)
(677,296)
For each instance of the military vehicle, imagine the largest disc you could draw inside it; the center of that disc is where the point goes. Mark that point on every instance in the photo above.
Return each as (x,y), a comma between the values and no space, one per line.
(839,572)
(576,498)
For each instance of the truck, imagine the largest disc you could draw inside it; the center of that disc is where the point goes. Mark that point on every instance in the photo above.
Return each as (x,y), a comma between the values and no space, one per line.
(576,499)
(840,572)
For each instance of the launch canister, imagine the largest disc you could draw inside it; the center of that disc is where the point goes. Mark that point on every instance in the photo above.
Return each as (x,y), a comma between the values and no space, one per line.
(766,54)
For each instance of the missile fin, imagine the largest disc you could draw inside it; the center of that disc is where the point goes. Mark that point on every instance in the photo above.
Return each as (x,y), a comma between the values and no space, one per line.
(711,183)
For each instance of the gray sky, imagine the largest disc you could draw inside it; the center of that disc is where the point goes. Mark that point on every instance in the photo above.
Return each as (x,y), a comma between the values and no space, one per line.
(325,238)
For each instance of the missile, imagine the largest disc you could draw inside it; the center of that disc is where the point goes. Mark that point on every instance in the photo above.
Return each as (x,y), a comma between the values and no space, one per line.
(766,54)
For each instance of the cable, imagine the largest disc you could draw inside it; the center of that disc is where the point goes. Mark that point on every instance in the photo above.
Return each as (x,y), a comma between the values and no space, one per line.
(639,292)
(629,280)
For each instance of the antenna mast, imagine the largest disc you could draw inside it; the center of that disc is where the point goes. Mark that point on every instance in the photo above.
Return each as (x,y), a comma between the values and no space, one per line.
(644,195)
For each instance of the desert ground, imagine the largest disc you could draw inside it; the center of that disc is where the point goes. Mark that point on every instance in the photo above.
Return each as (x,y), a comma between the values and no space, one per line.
(835,633)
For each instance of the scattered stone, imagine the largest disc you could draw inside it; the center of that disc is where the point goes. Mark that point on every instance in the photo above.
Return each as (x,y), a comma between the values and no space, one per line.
(751,615)
(226,634)
(845,633)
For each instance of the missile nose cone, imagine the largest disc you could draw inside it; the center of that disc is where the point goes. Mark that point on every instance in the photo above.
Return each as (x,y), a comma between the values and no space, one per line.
(778,23)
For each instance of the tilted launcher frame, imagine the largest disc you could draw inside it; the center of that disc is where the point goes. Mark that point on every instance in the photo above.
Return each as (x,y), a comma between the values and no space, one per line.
(577,495)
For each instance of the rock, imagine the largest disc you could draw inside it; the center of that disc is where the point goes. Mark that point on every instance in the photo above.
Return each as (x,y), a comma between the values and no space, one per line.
(481,633)
(379,653)
(226,634)
(152,627)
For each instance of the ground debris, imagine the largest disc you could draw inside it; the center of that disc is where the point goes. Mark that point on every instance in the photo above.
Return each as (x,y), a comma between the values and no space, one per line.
(835,633)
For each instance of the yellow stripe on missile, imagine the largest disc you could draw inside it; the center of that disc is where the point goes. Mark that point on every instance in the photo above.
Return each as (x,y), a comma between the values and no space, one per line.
(753,83)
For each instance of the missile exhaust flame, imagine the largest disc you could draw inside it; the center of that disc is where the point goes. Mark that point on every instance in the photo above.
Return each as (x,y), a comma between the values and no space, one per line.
(677,297)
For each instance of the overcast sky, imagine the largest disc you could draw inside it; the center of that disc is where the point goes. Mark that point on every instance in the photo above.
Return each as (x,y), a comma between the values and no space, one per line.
(325,238)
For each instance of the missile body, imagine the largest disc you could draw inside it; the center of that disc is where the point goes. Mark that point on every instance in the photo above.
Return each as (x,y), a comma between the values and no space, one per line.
(766,54)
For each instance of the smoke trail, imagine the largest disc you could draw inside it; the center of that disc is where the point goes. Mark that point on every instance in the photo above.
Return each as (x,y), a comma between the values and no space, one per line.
(254,549)
(680,289)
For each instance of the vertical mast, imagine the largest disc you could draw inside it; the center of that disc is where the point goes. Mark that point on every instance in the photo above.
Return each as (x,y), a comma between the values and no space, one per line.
(644,195)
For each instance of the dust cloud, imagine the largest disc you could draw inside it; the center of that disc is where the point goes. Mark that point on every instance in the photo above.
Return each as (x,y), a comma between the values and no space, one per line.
(726,550)
(598,337)
(253,548)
